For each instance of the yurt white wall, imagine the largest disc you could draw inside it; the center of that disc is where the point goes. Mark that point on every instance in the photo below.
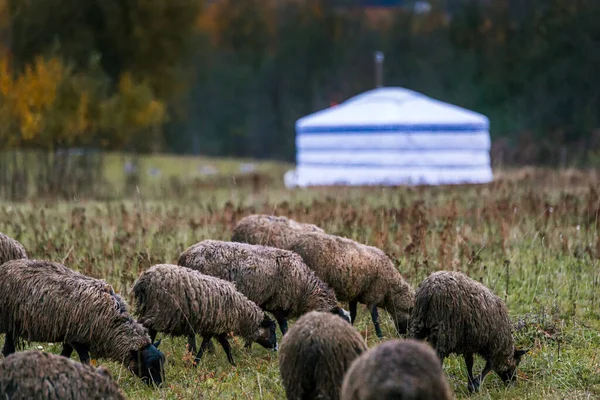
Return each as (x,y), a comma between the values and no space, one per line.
(391,136)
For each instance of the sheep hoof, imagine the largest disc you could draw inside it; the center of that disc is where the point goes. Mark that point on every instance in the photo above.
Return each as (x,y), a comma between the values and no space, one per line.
(473,386)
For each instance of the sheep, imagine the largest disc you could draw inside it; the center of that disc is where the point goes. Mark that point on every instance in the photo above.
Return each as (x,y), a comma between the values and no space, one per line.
(10,249)
(457,314)
(44,301)
(396,369)
(182,302)
(315,354)
(270,230)
(275,279)
(40,375)
(358,273)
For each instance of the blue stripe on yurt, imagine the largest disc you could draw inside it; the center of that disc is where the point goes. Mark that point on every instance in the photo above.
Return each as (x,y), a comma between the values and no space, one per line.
(386,166)
(313,149)
(455,128)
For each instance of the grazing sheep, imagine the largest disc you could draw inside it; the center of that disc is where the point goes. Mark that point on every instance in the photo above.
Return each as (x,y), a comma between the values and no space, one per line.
(396,369)
(10,249)
(182,302)
(315,354)
(457,314)
(358,273)
(44,301)
(38,375)
(270,230)
(275,279)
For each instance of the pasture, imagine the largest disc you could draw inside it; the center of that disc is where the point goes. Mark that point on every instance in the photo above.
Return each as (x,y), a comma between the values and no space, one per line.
(532,236)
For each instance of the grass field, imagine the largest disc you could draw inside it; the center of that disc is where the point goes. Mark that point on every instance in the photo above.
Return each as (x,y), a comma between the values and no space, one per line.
(532,236)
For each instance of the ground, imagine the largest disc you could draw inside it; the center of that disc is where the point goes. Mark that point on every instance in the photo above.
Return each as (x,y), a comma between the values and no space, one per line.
(532,237)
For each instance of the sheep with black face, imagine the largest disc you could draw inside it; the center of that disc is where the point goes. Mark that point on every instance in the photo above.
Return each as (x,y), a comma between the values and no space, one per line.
(459,315)
(44,301)
(182,302)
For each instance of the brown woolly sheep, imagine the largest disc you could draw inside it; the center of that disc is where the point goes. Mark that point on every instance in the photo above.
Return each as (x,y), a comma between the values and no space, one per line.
(270,230)
(457,314)
(182,302)
(315,354)
(10,249)
(396,369)
(44,301)
(37,375)
(358,273)
(275,279)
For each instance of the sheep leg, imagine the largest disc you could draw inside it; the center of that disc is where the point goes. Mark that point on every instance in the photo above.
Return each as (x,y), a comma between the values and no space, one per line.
(375,318)
(479,379)
(206,341)
(83,352)
(225,344)
(472,386)
(67,350)
(192,343)
(9,345)
(280,316)
(440,353)
(152,333)
(210,347)
(353,304)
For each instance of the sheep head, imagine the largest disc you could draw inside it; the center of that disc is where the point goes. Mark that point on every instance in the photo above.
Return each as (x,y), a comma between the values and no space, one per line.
(508,374)
(148,364)
(266,334)
(340,312)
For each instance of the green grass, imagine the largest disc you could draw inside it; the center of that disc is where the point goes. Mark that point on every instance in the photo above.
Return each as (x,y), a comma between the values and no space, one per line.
(545,264)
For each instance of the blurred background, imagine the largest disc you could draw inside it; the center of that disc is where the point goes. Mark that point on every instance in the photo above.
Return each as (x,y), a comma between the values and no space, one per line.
(97,96)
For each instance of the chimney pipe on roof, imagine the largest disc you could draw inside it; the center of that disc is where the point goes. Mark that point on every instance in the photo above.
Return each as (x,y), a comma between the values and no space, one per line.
(379,57)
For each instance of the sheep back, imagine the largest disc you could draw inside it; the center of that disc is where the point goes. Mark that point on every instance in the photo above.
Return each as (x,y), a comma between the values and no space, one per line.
(356,272)
(10,249)
(38,375)
(396,369)
(315,354)
(460,315)
(275,279)
(180,301)
(44,301)
(270,230)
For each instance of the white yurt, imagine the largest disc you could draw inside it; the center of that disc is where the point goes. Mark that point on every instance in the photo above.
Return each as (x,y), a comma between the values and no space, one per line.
(391,136)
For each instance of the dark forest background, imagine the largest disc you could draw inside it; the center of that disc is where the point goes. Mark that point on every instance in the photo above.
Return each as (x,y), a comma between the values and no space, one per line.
(230,77)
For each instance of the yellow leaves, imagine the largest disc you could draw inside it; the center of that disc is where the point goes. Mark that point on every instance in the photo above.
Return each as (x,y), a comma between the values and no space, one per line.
(131,111)
(28,97)
(152,114)
(6,82)
(49,105)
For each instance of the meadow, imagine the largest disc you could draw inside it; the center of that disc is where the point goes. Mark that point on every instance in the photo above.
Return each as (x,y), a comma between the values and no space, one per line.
(532,236)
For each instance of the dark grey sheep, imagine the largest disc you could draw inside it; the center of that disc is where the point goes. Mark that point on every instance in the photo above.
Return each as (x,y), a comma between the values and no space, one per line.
(396,369)
(270,230)
(457,314)
(275,279)
(182,302)
(358,274)
(44,301)
(315,354)
(43,376)
(10,249)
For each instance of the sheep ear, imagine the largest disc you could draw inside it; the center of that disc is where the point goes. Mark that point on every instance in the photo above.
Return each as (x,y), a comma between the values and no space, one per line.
(157,343)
